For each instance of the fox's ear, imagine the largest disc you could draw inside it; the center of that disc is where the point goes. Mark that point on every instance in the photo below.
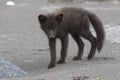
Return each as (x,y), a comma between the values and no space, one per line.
(41,18)
(59,18)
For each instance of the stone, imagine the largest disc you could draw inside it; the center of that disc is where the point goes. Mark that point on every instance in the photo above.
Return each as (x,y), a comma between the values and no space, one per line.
(8,70)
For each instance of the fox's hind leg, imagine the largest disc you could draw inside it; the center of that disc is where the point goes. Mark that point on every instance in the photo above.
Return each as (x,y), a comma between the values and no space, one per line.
(87,35)
(64,42)
(80,45)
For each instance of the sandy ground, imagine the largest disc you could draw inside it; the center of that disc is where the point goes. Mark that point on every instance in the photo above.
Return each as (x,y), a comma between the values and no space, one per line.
(24,44)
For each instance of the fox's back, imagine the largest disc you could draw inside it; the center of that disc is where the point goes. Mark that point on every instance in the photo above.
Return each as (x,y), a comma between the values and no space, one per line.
(72,17)
(71,11)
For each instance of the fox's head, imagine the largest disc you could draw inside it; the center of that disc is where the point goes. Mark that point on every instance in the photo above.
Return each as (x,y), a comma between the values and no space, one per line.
(50,24)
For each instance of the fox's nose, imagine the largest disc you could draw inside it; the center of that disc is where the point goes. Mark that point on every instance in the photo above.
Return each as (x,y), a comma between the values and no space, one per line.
(51,34)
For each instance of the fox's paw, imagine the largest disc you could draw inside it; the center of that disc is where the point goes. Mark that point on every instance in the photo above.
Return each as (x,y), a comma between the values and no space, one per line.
(76,58)
(51,65)
(60,62)
(90,57)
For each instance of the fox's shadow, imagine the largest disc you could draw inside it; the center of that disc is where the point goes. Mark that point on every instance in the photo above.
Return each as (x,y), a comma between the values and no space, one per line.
(102,59)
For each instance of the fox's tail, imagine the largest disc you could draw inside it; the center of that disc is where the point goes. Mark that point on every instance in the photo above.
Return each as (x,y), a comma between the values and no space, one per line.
(98,26)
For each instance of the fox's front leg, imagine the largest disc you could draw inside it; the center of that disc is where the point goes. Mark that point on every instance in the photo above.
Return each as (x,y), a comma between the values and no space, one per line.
(52,45)
(64,42)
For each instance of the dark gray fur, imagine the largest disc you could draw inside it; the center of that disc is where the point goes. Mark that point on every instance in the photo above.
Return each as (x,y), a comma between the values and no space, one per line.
(74,21)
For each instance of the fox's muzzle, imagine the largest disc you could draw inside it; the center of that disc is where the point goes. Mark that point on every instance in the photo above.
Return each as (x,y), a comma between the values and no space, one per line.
(51,34)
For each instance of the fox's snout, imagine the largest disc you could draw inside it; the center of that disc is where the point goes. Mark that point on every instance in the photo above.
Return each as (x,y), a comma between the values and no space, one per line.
(51,34)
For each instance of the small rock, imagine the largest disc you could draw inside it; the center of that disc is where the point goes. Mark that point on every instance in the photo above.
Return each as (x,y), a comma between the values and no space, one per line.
(8,70)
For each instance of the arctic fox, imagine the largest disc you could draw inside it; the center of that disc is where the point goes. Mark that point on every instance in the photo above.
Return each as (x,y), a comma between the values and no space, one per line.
(74,21)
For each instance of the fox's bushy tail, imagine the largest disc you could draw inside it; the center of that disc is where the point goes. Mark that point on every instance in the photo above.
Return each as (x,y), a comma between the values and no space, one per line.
(98,26)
